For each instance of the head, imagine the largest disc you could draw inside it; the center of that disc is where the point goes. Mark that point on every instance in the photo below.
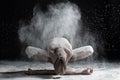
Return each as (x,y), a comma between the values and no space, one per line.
(60,58)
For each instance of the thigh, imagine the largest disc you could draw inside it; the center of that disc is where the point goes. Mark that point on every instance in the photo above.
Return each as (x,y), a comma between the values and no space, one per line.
(37,54)
(82,52)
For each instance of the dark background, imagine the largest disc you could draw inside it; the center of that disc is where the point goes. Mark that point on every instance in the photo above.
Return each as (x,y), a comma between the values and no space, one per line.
(102,17)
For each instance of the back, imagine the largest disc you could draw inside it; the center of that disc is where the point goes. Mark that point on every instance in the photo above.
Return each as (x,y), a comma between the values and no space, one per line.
(59,43)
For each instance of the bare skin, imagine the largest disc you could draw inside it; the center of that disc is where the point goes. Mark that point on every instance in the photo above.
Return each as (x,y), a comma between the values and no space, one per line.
(87,71)
(59,53)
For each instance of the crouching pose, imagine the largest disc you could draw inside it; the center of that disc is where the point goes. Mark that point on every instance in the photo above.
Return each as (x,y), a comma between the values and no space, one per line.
(59,53)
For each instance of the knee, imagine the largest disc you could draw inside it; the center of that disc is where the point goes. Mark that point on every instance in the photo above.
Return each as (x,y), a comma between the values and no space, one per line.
(90,49)
(29,51)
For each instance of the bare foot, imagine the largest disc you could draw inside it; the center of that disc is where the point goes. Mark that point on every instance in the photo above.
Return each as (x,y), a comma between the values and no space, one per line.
(29,71)
(87,71)
(72,71)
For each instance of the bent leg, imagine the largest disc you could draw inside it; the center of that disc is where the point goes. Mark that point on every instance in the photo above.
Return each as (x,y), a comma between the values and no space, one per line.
(37,54)
(81,53)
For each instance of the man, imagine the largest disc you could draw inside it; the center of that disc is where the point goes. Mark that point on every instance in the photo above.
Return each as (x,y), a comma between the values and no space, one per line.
(59,52)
